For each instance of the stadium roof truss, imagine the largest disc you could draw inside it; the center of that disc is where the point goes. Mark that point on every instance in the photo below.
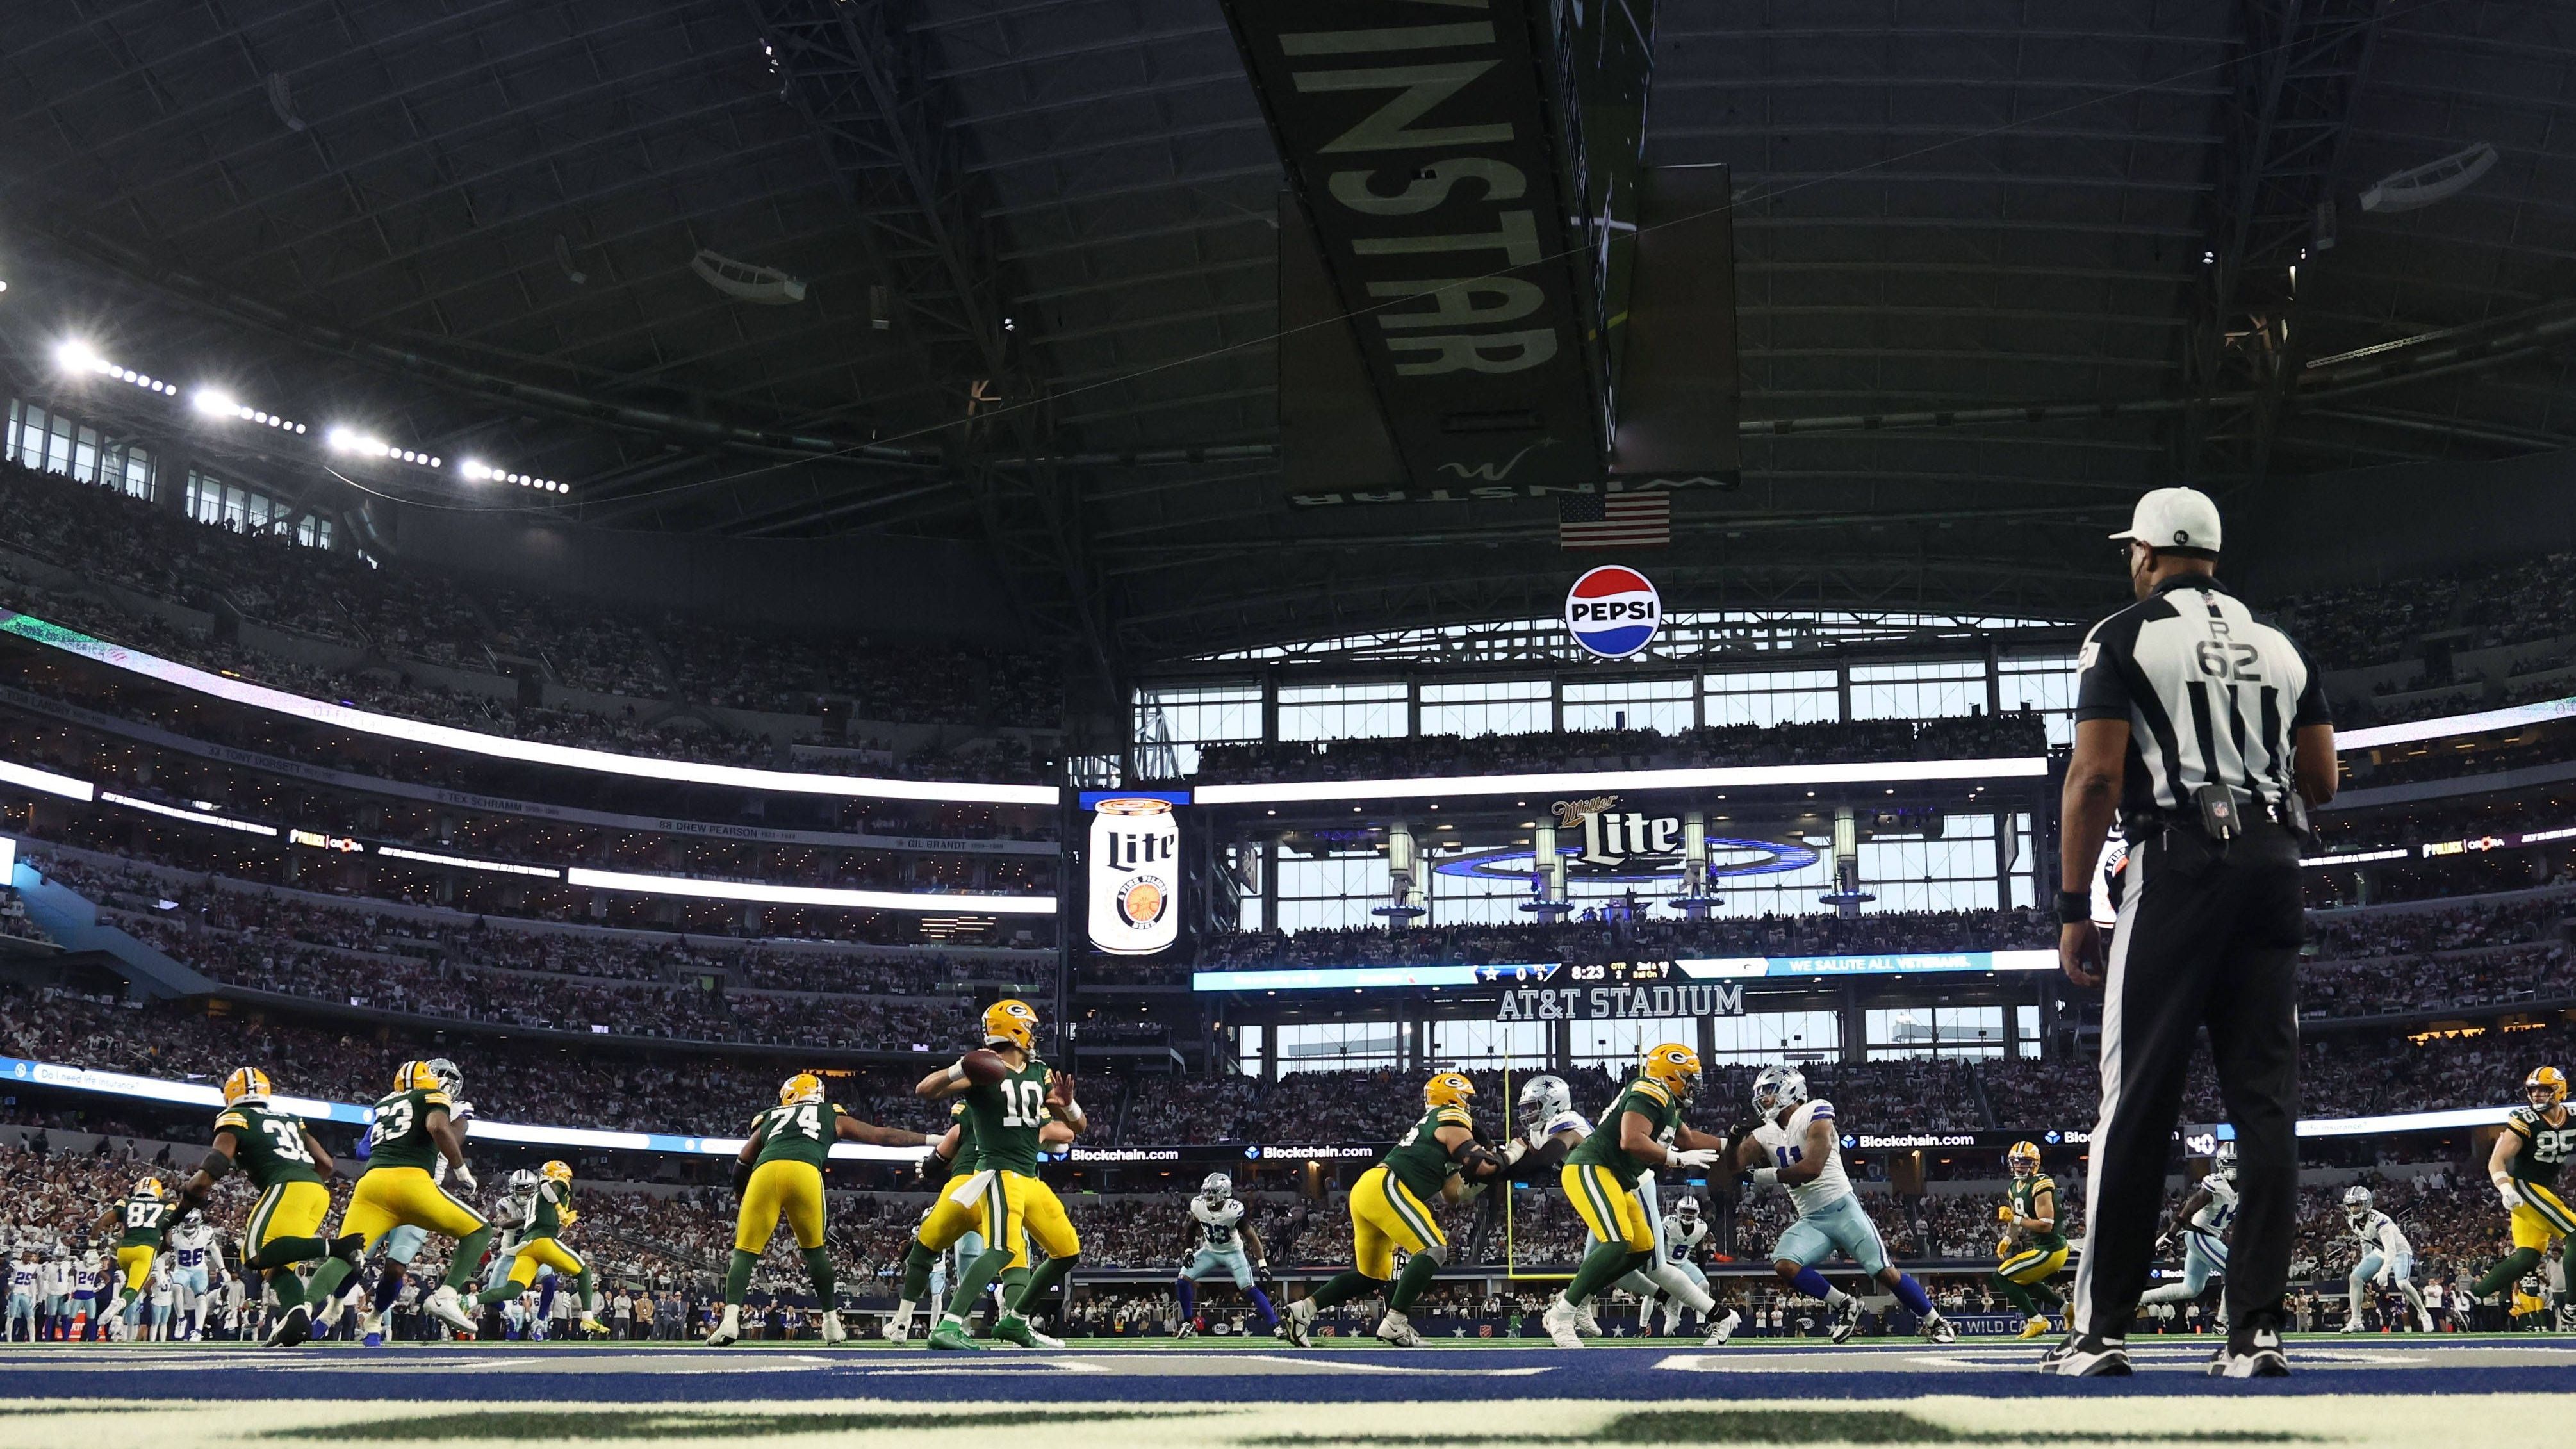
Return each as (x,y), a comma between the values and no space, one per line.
(1998,269)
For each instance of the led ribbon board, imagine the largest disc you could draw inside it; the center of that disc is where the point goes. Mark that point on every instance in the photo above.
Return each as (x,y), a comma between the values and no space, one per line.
(1713,777)
(446,737)
(201,1094)
(2484,721)
(784,895)
(1697,968)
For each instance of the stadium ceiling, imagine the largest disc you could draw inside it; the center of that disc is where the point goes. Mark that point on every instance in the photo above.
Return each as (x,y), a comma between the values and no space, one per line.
(1038,241)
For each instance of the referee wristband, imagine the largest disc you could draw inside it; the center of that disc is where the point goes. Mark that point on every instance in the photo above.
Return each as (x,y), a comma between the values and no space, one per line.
(2073,906)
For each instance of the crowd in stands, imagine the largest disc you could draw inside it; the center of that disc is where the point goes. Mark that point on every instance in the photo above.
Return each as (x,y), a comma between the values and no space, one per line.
(2482,606)
(2019,733)
(400,615)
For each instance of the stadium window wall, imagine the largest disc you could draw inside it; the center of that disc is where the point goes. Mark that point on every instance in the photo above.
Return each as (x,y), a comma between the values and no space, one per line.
(1489,707)
(2045,683)
(1932,689)
(1771,697)
(220,504)
(1935,1031)
(50,441)
(1960,871)
(1346,711)
(1667,706)
(1181,718)
(1751,1039)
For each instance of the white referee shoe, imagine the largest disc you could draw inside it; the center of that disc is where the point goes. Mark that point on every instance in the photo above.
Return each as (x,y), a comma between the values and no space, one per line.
(1723,1330)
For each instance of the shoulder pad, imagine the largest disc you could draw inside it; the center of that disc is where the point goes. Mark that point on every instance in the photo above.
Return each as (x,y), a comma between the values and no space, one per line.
(436,1097)
(2043,1181)
(233,1118)
(1819,1107)
(2522,1117)
(1453,1116)
(838,1110)
(1651,1089)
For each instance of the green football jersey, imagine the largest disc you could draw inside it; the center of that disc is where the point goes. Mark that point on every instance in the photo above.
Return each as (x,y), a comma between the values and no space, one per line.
(2544,1148)
(143,1216)
(268,1146)
(1602,1148)
(964,1161)
(1004,1120)
(2025,1191)
(799,1132)
(1418,1160)
(545,1215)
(400,1136)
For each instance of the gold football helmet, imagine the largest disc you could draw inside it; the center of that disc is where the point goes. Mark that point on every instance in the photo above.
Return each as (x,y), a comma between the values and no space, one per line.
(2023,1159)
(1010,1022)
(796,1091)
(2546,1087)
(1448,1089)
(1673,1067)
(246,1084)
(556,1171)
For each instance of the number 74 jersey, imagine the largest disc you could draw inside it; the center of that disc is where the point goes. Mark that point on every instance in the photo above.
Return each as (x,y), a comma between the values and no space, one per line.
(1786,1142)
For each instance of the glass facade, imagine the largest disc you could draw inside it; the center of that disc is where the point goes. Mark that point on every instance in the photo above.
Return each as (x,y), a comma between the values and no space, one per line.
(52,442)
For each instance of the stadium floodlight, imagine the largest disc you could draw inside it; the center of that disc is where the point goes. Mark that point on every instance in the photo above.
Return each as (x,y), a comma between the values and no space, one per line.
(215,403)
(74,355)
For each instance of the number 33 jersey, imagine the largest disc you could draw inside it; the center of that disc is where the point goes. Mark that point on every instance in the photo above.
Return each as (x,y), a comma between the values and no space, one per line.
(268,1146)
(1004,1119)
(1787,1144)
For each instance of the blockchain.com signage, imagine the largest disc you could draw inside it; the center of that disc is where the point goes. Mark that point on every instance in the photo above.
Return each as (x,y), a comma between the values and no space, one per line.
(1135,876)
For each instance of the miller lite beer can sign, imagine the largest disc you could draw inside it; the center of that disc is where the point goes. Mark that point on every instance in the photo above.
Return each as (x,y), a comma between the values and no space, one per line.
(1135,877)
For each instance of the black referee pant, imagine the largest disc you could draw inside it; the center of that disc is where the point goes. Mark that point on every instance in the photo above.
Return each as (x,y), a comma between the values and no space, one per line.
(2206,937)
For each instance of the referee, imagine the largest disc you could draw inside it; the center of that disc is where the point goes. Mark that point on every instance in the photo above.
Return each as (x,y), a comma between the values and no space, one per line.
(2206,734)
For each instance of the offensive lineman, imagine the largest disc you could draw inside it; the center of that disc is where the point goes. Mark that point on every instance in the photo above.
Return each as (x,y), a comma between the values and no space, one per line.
(1003,1197)
(1550,1131)
(780,1170)
(2203,1220)
(1607,1176)
(1218,1238)
(414,1128)
(2034,1246)
(2537,1139)
(281,1157)
(404,1242)
(1390,1209)
(2386,1259)
(1797,1143)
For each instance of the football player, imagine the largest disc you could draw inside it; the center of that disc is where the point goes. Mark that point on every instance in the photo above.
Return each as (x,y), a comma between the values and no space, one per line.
(405,1241)
(1678,1235)
(2034,1247)
(2202,1221)
(538,1235)
(1607,1177)
(1796,1144)
(2524,1168)
(282,1159)
(951,1156)
(137,1222)
(196,1266)
(1550,1131)
(26,1276)
(2387,1259)
(780,1170)
(415,1128)
(1217,1239)
(1438,1156)
(1002,1197)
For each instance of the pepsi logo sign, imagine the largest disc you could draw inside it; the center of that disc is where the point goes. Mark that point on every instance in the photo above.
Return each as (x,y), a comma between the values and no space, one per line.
(1613,611)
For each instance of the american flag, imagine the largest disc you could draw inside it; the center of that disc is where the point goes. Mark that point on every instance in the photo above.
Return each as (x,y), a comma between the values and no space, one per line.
(1614,520)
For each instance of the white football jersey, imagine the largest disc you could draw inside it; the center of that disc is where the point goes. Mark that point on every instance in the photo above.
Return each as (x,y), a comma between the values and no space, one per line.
(22,1280)
(1786,1142)
(1679,1238)
(2380,1234)
(2220,1210)
(1219,1226)
(1567,1121)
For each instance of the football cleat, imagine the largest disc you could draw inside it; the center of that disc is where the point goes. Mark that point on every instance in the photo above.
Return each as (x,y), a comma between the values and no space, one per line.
(1297,1322)
(293,1326)
(1846,1320)
(1559,1323)
(1586,1324)
(1012,1328)
(1011,1022)
(371,1329)
(833,1332)
(729,1329)
(1189,1329)
(2255,1356)
(444,1307)
(1397,1329)
(1936,1329)
(2035,1326)
(894,1330)
(2352,1323)
(593,1328)
(2087,1357)
(1723,1330)
(951,1334)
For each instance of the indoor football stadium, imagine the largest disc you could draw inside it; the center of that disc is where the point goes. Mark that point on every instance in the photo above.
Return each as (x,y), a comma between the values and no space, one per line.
(1287,722)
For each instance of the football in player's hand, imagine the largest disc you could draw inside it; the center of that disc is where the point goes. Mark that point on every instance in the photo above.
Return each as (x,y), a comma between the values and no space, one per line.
(984,1066)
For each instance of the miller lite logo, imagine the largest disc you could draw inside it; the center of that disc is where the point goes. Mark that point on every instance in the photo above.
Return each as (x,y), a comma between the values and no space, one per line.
(1613,611)
(1135,870)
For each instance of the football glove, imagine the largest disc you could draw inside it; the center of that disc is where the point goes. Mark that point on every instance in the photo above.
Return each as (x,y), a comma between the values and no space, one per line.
(2510,1195)
(1701,1158)
(2005,1214)
(464,1175)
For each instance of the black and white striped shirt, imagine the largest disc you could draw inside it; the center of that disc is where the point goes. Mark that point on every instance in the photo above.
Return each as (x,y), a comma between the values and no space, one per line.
(2209,693)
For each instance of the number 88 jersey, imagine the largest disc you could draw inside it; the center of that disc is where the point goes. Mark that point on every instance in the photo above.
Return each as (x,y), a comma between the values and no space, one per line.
(268,1146)
(1004,1119)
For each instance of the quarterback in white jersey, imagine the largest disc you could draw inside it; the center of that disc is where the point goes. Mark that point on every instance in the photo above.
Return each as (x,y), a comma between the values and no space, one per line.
(1551,1128)
(2202,1222)
(1795,1144)
(2387,1259)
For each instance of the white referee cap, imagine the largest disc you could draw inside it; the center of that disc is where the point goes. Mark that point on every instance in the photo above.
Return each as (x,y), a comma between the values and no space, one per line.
(2174,518)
